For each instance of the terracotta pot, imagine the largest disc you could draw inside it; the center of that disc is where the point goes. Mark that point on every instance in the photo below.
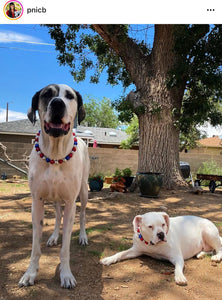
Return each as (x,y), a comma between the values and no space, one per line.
(108,180)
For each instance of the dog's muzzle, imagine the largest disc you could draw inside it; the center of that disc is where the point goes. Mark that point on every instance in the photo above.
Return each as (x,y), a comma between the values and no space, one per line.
(56,127)
(161,236)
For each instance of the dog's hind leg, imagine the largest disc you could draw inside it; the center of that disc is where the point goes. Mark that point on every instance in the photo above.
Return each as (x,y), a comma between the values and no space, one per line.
(203,253)
(37,220)
(212,240)
(83,240)
(54,237)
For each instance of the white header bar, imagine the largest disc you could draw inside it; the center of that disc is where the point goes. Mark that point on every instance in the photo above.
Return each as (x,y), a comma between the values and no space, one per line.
(113,12)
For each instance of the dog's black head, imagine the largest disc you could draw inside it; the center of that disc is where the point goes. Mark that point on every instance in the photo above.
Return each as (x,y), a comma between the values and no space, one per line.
(57,106)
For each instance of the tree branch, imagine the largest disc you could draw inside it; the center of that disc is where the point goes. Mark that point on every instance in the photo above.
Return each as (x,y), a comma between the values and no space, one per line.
(4,148)
(125,47)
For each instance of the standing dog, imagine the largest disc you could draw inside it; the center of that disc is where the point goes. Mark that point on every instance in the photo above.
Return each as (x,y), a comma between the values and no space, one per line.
(173,239)
(58,172)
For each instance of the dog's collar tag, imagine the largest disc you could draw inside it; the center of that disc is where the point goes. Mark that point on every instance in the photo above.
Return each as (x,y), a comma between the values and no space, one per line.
(54,161)
(142,239)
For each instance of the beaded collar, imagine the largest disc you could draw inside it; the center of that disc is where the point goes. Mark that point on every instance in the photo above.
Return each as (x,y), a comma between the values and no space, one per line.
(142,239)
(54,161)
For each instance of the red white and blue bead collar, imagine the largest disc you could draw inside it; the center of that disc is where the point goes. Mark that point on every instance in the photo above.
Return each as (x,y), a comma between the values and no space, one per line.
(142,239)
(55,161)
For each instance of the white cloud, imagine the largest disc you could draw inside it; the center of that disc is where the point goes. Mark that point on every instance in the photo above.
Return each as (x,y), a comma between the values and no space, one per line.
(15,37)
(12,115)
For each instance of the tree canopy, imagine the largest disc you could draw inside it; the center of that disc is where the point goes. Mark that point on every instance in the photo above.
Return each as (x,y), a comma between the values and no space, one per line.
(182,59)
(198,46)
(100,113)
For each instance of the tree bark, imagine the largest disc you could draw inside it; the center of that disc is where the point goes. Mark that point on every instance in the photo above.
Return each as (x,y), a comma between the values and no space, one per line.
(158,135)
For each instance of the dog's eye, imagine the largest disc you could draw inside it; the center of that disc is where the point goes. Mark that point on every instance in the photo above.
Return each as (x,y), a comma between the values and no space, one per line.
(163,225)
(47,94)
(151,227)
(69,95)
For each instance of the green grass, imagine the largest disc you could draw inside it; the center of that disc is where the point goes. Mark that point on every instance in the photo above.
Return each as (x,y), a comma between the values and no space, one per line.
(96,253)
(218,224)
(122,245)
(93,229)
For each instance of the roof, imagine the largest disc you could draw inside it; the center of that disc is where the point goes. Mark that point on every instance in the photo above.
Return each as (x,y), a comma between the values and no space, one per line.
(214,141)
(20,126)
(101,135)
(104,135)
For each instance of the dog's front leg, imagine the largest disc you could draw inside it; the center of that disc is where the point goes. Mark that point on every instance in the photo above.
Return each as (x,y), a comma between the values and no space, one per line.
(179,265)
(54,237)
(127,254)
(67,279)
(37,223)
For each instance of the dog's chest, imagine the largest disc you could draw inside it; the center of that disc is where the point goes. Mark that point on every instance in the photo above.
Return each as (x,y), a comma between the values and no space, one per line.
(55,184)
(161,251)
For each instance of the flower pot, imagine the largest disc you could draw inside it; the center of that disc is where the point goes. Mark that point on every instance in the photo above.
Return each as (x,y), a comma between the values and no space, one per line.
(128,180)
(95,185)
(149,184)
(108,180)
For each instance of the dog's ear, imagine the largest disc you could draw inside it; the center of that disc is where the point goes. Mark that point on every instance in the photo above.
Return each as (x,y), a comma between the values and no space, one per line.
(167,220)
(32,110)
(81,110)
(137,222)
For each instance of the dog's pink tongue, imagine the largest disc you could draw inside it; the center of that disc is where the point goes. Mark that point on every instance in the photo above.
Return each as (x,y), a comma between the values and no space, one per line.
(52,125)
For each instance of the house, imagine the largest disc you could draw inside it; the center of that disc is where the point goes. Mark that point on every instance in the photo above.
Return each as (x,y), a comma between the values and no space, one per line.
(18,137)
(211,144)
(23,131)
(207,149)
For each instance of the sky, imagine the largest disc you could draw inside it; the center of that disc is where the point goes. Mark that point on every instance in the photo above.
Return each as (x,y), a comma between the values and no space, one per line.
(28,62)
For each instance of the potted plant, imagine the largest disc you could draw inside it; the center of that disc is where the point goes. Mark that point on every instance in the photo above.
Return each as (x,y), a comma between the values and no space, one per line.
(149,184)
(96,182)
(108,178)
(127,175)
(118,182)
(117,177)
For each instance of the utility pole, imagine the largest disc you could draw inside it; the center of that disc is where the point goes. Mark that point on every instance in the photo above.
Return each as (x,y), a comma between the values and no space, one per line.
(7,112)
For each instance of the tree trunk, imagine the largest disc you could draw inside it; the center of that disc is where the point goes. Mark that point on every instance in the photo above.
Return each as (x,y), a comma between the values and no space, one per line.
(158,136)
(159,147)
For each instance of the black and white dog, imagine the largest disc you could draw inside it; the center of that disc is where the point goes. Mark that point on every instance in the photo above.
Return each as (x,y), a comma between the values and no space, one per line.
(58,172)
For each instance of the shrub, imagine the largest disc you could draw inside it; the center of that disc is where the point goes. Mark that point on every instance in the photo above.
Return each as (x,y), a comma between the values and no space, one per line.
(210,167)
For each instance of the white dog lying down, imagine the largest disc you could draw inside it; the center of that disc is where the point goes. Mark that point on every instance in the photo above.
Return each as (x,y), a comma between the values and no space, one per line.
(173,239)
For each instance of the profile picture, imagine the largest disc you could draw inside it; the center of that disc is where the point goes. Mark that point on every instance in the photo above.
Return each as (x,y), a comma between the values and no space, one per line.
(13,10)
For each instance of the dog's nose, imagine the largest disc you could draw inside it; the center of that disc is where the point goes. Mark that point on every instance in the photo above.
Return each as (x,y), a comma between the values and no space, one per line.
(57,107)
(161,235)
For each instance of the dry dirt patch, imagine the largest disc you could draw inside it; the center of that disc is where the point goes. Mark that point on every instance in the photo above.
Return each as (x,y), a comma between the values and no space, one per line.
(109,226)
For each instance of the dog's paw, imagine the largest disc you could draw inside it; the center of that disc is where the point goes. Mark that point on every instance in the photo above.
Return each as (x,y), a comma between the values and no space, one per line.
(53,240)
(181,279)
(107,261)
(67,280)
(201,255)
(217,257)
(28,278)
(83,240)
